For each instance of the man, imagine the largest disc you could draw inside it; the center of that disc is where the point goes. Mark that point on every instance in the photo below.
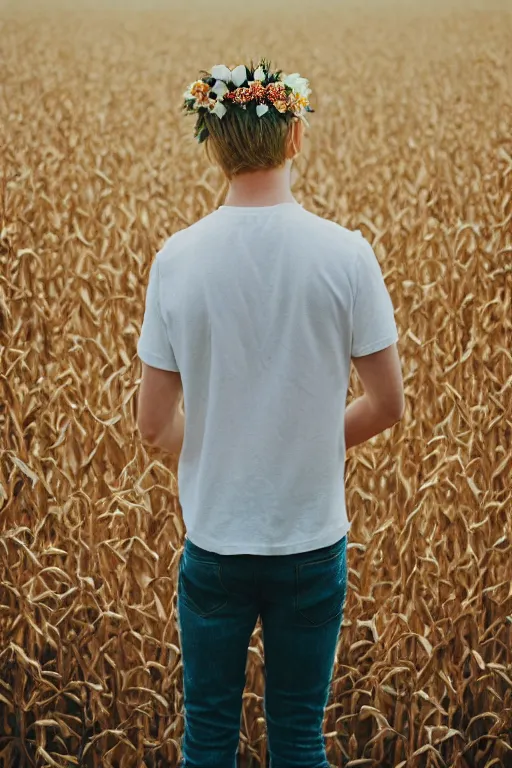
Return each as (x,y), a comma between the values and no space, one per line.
(253,315)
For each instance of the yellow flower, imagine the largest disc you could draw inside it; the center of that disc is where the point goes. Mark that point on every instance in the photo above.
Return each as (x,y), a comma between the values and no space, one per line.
(298,103)
(281,106)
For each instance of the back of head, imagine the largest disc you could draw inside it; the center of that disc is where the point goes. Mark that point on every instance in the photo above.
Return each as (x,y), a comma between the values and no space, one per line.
(244,115)
(241,144)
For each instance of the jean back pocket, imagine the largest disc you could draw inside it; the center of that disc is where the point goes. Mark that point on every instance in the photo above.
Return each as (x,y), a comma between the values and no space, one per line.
(322,588)
(200,586)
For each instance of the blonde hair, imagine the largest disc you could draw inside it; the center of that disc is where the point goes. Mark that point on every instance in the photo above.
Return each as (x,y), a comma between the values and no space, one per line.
(242,142)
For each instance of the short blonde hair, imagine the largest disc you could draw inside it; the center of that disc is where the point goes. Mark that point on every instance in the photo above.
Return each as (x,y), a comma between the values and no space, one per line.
(242,142)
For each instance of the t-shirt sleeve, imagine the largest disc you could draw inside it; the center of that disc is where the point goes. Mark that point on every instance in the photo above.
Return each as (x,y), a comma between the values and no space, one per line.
(374,326)
(154,347)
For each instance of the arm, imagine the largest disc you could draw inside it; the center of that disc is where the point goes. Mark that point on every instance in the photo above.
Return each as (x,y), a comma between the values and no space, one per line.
(160,416)
(374,354)
(382,404)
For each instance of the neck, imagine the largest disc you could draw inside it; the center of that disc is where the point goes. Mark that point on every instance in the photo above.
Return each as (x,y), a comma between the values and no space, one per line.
(261,188)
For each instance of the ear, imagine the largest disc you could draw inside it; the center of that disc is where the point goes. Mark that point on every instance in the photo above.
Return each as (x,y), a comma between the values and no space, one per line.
(295,137)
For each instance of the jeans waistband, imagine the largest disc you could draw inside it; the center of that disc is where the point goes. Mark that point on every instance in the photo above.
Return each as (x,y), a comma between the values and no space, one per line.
(202,554)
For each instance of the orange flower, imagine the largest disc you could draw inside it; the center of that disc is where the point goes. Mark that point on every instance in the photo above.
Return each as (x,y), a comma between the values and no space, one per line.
(257,90)
(276,92)
(199,91)
(242,95)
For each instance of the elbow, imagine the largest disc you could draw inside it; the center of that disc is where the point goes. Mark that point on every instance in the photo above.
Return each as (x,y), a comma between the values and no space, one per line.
(396,413)
(149,440)
(148,433)
(390,411)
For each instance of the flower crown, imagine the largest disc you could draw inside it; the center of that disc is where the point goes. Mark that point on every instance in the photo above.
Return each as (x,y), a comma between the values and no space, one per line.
(257,89)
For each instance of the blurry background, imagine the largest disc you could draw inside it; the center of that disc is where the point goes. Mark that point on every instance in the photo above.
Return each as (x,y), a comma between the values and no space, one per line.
(411,144)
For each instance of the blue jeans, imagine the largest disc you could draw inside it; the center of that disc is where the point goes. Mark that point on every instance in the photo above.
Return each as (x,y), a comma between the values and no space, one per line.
(300,600)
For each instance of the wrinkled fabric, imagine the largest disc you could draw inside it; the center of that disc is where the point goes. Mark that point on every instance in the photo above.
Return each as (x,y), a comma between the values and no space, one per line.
(300,599)
(261,310)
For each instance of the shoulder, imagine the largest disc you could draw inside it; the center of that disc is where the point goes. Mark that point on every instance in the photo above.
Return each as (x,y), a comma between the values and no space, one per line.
(181,243)
(340,247)
(332,230)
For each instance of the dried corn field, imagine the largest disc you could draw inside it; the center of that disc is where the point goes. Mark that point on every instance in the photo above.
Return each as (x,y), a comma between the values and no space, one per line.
(411,144)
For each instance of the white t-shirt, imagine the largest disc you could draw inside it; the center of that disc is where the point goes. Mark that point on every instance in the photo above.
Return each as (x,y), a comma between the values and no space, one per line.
(260,310)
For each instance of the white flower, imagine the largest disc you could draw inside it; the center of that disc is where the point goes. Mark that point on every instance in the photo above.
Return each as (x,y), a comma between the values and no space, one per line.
(298,84)
(261,109)
(218,109)
(221,72)
(239,75)
(259,74)
(220,89)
